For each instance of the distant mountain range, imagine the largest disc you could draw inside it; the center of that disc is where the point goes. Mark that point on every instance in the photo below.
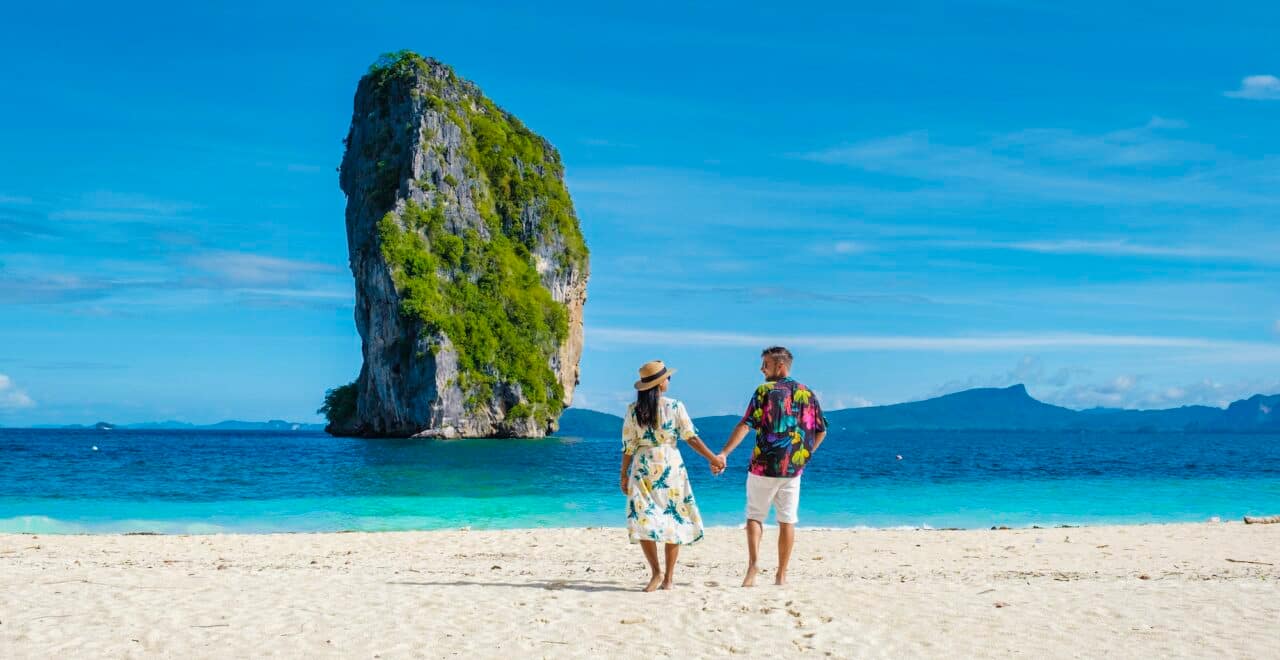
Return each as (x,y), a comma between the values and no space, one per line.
(995,409)
(228,425)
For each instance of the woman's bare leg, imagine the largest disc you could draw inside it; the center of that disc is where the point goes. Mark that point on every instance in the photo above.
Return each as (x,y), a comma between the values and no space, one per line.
(673,554)
(651,555)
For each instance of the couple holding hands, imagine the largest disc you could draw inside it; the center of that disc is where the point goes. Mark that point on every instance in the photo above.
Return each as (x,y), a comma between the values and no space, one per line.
(789,428)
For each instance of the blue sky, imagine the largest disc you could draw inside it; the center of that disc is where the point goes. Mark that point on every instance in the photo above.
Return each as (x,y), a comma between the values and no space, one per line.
(917,197)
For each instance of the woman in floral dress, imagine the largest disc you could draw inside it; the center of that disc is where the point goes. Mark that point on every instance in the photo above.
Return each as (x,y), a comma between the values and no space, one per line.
(660,505)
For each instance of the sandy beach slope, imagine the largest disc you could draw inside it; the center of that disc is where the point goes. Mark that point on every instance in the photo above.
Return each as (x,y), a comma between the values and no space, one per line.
(1193,590)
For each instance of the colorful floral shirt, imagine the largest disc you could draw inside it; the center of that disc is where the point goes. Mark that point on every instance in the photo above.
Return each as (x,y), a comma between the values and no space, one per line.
(787,419)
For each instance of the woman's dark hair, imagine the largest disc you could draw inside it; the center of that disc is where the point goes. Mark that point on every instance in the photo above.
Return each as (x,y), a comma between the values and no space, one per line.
(647,407)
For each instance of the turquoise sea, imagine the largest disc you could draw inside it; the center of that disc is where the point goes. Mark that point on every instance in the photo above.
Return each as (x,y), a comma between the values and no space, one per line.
(54,481)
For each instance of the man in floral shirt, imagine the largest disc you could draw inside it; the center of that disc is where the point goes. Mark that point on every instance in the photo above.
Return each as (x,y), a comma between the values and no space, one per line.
(789,428)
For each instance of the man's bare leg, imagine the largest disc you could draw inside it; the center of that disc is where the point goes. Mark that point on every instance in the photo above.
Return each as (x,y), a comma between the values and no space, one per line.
(755,529)
(673,554)
(786,541)
(651,555)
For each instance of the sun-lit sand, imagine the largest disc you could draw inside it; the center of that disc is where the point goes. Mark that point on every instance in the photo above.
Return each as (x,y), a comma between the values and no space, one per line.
(1203,590)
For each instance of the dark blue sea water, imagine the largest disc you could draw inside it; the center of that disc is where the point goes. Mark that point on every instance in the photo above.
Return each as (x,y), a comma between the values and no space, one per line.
(204,481)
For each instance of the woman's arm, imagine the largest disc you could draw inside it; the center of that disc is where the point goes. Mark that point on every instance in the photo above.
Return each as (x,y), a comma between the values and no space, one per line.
(626,469)
(705,452)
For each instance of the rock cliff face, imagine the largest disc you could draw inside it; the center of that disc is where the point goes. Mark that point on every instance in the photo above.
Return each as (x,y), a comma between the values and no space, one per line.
(469,263)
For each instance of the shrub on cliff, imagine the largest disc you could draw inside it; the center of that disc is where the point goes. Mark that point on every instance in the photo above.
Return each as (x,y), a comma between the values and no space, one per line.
(339,404)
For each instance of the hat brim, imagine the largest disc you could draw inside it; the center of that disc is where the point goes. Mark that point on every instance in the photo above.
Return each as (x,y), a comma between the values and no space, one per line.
(641,385)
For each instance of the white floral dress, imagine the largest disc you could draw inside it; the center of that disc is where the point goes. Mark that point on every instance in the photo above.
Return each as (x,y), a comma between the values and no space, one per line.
(660,505)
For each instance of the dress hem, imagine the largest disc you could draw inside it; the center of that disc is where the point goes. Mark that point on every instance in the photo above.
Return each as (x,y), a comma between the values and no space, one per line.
(636,541)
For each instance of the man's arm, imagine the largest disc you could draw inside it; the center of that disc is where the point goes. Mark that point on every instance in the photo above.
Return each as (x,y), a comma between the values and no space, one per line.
(821,430)
(739,432)
(818,438)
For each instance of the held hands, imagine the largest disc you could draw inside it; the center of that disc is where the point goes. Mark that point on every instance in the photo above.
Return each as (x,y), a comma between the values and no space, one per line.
(717,463)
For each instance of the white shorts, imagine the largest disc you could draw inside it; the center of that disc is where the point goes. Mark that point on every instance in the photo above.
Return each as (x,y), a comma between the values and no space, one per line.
(783,493)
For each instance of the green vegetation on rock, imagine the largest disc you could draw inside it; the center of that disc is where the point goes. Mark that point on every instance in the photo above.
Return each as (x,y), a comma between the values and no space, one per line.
(339,404)
(486,297)
(522,169)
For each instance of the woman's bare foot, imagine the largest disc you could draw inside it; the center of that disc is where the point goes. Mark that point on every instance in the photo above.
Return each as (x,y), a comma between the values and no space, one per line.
(667,584)
(653,583)
(750,580)
(781,580)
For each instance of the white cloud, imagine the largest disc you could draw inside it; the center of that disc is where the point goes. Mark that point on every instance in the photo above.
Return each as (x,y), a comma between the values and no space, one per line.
(603,400)
(98,215)
(752,294)
(344,295)
(842,402)
(848,247)
(604,142)
(1138,392)
(256,269)
(1132,166)
(222,277)
(1122,148)
(1029,371)
(295,168)
(1257,88)
(12,398)
(1110,248)
(1067,387)
(107,199)
(661,200)
(1165,122)
(970,343)
(1116,392)
(108,206)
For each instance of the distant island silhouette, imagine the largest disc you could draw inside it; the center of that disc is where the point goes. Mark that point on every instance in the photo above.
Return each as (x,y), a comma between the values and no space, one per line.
(996,409)
(225,425)
(988,408)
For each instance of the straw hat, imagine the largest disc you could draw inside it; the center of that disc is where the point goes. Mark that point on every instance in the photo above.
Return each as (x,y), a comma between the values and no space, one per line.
(652,374)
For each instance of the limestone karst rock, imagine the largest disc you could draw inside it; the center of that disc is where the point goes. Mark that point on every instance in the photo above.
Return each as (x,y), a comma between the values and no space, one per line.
(469,263)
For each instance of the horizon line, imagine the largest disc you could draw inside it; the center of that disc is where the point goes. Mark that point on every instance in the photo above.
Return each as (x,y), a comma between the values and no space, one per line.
(957,343)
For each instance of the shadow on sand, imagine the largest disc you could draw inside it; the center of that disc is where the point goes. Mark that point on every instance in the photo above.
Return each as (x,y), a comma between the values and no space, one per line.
(548,585)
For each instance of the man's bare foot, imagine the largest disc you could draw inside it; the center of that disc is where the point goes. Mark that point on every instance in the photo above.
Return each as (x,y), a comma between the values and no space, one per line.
(653,583)
(781,580)
(668,585)
(750,580)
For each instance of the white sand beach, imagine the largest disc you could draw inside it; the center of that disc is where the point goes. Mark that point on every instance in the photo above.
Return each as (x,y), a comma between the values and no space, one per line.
(1185,590)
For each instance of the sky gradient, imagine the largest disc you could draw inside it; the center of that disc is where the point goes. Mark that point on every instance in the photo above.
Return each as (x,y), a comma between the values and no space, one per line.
(916,197)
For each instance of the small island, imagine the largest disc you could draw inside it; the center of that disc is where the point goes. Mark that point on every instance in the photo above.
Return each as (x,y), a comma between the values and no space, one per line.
(470,266)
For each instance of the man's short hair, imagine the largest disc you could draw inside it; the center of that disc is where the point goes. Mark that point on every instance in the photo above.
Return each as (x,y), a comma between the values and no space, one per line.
(777,353)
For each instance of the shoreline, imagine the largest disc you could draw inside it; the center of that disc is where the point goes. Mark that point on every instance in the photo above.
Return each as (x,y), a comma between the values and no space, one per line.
(1161,589)
(472,528)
